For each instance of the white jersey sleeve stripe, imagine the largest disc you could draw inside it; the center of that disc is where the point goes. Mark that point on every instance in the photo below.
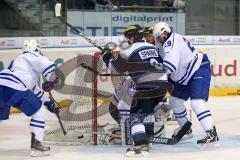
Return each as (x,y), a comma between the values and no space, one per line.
(34,88)
(48,69)
(189,70)
(49,72)
(38,93)
(41,95)
(169,65)
(185,73)
(13,76)
(7,78)
(168,68)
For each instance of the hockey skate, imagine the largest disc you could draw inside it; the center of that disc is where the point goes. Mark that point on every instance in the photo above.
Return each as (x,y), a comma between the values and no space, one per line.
(188,135)
(37,148)
(141,150)
(210,138)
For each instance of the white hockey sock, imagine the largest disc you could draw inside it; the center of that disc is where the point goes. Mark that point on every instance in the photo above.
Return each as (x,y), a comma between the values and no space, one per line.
(179,110)
(203,114)
(37,124)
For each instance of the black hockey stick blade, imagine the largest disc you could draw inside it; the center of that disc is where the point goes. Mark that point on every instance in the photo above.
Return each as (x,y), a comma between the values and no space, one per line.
(176,138)
(163,140)
(185,128)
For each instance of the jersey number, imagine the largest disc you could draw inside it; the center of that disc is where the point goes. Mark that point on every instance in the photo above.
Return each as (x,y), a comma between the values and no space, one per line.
(189,45)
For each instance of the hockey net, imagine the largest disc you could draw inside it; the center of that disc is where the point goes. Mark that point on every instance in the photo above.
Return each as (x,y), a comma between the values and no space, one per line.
(85,119)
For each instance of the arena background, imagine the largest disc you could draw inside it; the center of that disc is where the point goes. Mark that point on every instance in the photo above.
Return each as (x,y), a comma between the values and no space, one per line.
(214,31)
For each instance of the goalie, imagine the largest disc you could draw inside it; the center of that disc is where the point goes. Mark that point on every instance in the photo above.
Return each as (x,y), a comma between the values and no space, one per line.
(18,87)
(148,81)
(120,107)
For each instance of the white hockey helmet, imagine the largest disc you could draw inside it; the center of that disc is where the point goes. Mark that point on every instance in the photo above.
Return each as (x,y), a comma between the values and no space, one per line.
(160,28)
(31,46)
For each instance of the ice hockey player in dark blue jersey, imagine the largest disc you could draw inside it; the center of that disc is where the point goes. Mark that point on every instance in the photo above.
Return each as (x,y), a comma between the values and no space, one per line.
(149,83)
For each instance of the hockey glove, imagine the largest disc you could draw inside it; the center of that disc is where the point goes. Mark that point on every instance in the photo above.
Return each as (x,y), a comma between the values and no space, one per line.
(107,55)
(52,107)
(47,86)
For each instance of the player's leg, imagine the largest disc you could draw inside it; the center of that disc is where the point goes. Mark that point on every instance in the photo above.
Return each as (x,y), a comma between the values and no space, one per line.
(199,96)
(26,101)
(139,136)
(178,96)
(32,106)
(5,94)
(37,125)
(147,109)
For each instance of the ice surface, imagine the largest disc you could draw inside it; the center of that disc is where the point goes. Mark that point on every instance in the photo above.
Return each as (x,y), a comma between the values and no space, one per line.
(15,140)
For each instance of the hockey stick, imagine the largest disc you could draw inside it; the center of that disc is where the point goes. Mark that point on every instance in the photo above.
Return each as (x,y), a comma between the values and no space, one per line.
(57,114)
(58,15)
(97,73)
(176,138)
(139,65)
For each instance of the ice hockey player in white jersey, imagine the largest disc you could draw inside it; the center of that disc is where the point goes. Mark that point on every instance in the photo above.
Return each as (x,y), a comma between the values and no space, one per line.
(190,72)
(18,87)
(163,110)
(146,81)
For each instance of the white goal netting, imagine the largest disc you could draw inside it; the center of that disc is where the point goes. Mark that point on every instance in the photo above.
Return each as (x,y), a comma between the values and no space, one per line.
(90,93)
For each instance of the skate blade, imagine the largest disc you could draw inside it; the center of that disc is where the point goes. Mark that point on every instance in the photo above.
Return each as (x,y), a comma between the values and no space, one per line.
(207,146)
(36,153)
(134,154)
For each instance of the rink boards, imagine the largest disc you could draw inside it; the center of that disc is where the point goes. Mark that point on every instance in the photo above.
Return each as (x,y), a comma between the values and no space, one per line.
(225,68)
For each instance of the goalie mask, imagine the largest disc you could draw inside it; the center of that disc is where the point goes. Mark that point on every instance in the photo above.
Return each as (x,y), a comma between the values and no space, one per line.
(31,46)
(133,33)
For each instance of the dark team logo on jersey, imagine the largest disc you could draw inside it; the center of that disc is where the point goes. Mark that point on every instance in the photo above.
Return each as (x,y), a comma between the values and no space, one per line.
(149,53)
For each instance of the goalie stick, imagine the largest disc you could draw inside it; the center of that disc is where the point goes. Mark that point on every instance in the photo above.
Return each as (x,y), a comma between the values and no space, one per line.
(57,114)
(58,15)
(175,139)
